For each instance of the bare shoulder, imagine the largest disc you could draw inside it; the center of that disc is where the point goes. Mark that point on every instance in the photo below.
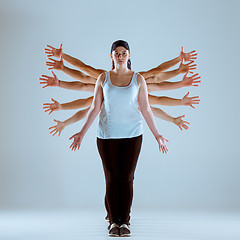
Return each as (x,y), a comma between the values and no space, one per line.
(101,78)
(140,79)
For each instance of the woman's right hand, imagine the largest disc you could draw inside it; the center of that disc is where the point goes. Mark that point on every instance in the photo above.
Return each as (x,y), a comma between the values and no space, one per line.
(161,142)
(53,52)
(55,106)
(57,128)
(49,81)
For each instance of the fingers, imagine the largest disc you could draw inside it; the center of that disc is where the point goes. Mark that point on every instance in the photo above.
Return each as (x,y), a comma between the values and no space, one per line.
(50,46)
(49,63)
(53,73)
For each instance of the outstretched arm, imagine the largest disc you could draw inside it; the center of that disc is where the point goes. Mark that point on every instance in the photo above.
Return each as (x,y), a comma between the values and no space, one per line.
(147,113)
(93,112)
(163,115)
(162,76)
(167,101)
(58,65)
(56,106)
(166,65)
(55,82)
(186,82)
(75,118)
(54,52)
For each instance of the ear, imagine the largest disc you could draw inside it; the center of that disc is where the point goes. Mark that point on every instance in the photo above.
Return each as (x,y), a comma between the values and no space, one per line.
(129,56)
(111,56)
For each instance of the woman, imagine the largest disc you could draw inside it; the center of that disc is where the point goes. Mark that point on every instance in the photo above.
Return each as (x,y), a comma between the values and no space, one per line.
(118,93)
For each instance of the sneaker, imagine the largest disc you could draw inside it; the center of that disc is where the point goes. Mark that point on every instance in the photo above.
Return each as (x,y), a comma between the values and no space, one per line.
(113,230)
(124,230)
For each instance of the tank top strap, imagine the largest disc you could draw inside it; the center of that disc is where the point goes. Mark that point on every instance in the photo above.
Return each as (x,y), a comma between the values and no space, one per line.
(135,74)
(106,78)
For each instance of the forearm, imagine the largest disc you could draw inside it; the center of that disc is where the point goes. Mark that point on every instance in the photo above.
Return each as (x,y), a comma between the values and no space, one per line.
(149,118)
(161,68)
(163,86)
(161,114)
(79,86)
(162,76)
(76,117)
(82,66)
(78,75)
(166,65)
(92,114)
(166,101)
(80,103)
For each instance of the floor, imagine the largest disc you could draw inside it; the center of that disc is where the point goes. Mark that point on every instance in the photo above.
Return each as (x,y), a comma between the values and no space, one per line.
(145,225)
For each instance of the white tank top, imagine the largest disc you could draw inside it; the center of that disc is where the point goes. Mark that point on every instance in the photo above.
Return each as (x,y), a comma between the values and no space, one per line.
(119,116)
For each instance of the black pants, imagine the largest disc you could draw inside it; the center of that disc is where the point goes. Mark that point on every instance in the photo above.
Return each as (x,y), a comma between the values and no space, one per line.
(119,158)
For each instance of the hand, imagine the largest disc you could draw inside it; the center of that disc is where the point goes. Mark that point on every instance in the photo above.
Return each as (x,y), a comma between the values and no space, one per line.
(55,106)
(189,101)
(180,123)
(57,128)
(186,67)
(187,56)
(58,65)
(77,141)
(161,142)
(53,52)
(49,81)
(190,81)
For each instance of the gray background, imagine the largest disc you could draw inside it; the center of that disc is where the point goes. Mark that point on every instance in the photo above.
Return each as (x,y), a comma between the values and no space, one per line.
(201,170)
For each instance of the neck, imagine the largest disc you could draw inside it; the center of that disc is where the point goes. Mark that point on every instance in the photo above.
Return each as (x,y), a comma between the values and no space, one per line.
(119,69)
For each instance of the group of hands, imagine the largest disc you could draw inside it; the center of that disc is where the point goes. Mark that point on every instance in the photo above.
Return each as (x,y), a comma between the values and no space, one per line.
(55,106)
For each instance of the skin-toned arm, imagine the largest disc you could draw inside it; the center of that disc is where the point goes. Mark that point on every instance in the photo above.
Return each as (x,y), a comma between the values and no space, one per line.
(93,72)
(167,101)
(147,113)
(54,52)
(166,65)
(56,106)
(162,76)
(58,65)
(93,112)
(55,82)
(163,115)
(75,118)
(186,82)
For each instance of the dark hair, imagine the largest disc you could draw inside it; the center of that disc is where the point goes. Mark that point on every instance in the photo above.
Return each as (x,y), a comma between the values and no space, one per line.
(124,44)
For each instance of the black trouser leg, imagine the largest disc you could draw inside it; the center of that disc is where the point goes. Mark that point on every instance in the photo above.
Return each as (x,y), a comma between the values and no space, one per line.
(119,158)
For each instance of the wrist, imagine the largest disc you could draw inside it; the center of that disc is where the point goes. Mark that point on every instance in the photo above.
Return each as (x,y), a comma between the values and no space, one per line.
(157,136)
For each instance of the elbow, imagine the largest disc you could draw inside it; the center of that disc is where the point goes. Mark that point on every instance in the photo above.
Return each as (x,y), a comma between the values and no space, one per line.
(145,110)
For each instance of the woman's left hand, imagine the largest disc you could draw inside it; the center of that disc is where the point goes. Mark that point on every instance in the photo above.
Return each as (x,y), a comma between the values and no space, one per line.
(162,145)
(77,141)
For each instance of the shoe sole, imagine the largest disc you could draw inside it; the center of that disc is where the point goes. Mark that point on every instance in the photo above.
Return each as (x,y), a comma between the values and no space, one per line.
(113,235)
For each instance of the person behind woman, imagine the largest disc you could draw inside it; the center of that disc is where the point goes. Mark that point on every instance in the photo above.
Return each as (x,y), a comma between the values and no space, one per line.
(118,94)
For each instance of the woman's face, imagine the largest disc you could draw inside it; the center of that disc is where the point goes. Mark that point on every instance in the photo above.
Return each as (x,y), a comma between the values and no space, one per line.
(120,56)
